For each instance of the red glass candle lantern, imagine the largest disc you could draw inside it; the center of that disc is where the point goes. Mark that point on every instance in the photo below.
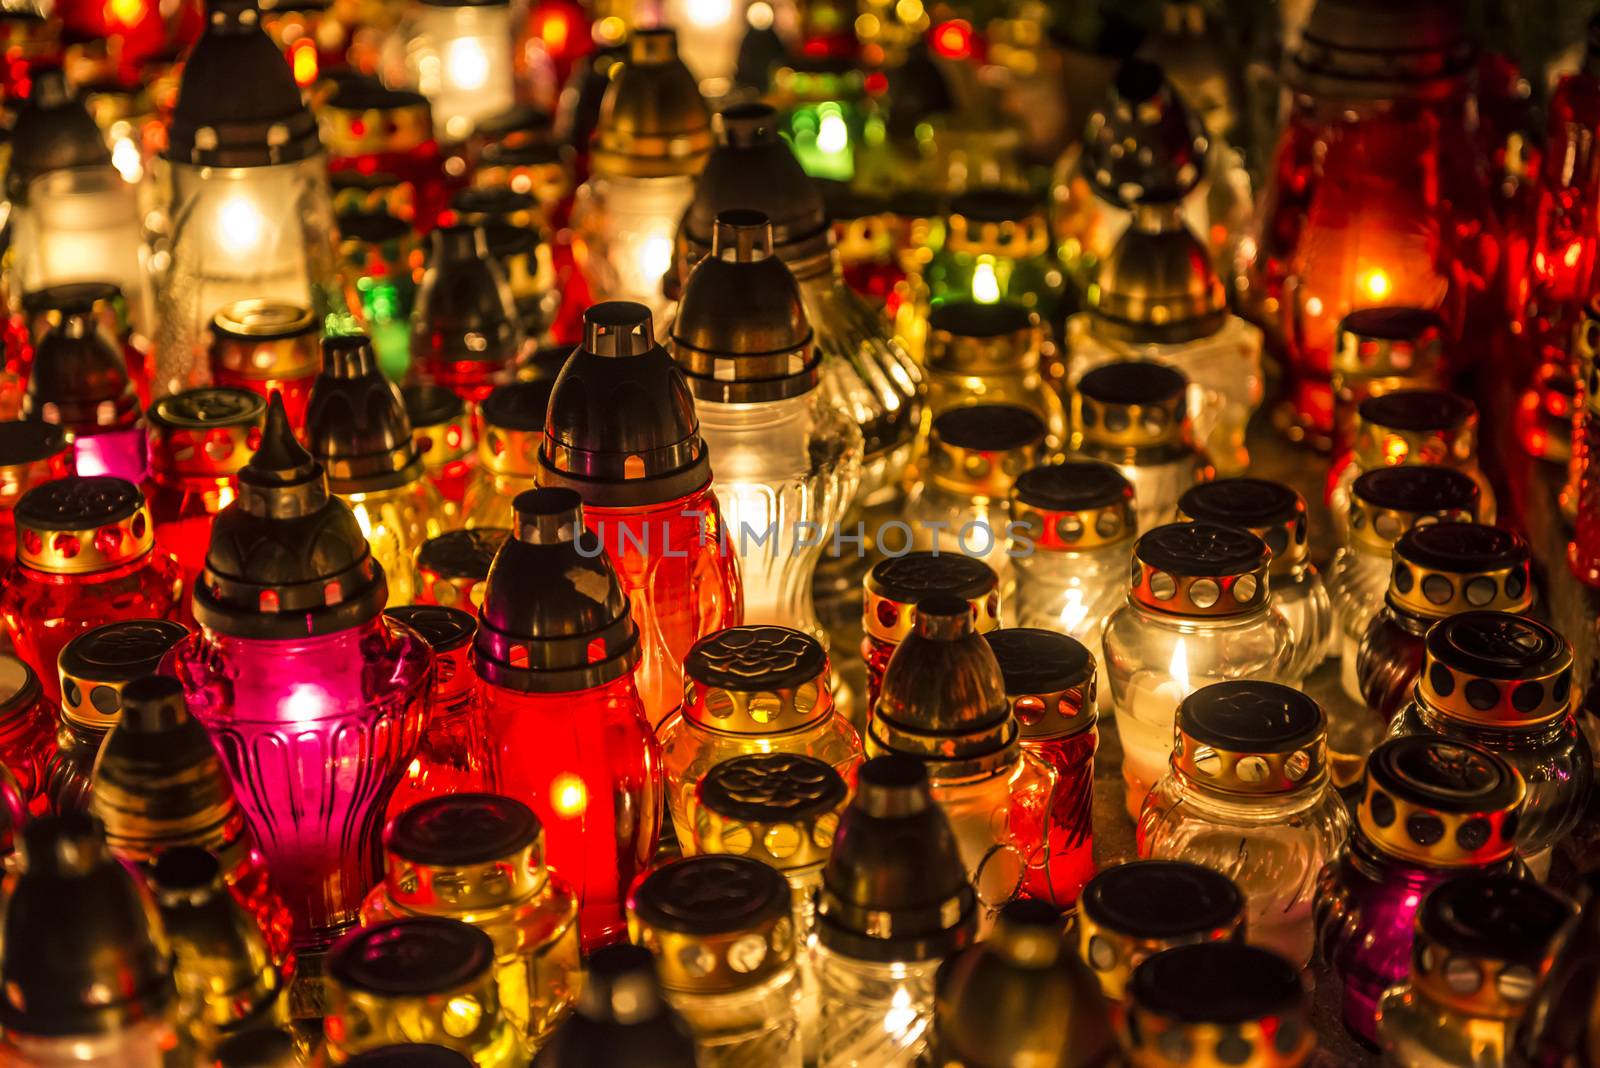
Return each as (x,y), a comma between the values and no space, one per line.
(556,654)
(45,308)
(79,382)
(31,452)
(199,439)
(441,423)
(1583,490)
(266,347)
(893,588)
(315,700)
(621,431)
(371,130)
(27,732)
(86,556)
(451,758)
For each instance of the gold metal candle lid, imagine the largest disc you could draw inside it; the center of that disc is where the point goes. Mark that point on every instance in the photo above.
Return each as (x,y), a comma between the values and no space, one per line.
(1074,505)
(978,450)
(1049,680)
(1416,426)
(98,664)
(1217,1005)
(1133,404)
(1494,669)
(1444,568)
(756,680)
(78,525)
(653,121)
(1484,943)
(205,433)
(1436,802)
(1387,502)
(1272,511)
(264,339)
(1251,737)
(1396,346)
(513,427)
(1200,569)
(452,567)
(895,585)
(716,923)
(441,425)
(464,853)
(779,808)
(967,338)
(998,222)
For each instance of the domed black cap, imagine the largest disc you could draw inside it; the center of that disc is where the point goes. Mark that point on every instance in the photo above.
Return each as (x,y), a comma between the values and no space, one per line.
(1072,486)
(28,441)
(287,559)
(554,616)
(54,131)
(895,857)
(1218,983)
(1161,899)
(356,422)
(621,428)
(84,950)
(409,1055)
(1036,661)
(1142,109)
(238,104)
(1250,716)
(1251,503)
(465,309)
(621,1020)
(75,372)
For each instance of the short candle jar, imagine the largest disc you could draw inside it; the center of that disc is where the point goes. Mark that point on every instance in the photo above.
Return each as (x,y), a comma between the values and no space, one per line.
(452,567)
(1377,351)
(508,452)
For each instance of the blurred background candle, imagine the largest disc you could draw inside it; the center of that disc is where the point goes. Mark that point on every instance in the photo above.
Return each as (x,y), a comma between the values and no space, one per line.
(508,451)
(465,333)
(988,354)
(267,347)
(380,260)
(517,226)
(895,585)
(387,134)
(442,425)
(621,1012)
(452,567)
(28,721)
(80,382)
(31,452)
(458,55)
(1380,350)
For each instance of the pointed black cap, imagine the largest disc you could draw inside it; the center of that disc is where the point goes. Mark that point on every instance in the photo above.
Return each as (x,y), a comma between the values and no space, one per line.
(287,559)
(622,1020)
(356,422)
(54,131)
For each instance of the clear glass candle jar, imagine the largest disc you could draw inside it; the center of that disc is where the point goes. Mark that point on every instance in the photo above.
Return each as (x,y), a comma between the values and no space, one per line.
(31,452)
(80,224)
(28,722)
(1199,611)
(423,979)
(512,418)
(1132,911)
(479,858)
(786,461)
(621,1015)
(1430,808)
(1020,997)
(86,556)
(1050,683)
(752,689)
(1276,514)
(1134,414)
(459,57)
(1484,944)
(1504,682)
(1381,350)
(988,353)
(267,346)
(783,810)
(451,568)
(894,903)
(724,943)
(893,588)
(451,758)
(1219,1001)
(79,382)
(1248,794)
(1411,426)
(1439,570)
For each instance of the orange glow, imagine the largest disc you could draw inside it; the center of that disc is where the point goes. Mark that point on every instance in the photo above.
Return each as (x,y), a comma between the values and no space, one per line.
(125,12)
(1375,283)
(567,795)
(953,39)
(553,31)
(303,60)
(1395,450)
(1572,254)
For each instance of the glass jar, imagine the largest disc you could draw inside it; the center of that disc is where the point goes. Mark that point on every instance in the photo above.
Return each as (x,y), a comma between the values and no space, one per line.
(1430,809)
(1217,1000)
(622,431)
(160,784)
(27,733)
(31,452)
(243,206)
(724,943)
(1132,911)
(357,429)
(1439,570)
(458,55)
(1248,794)
(44,310)
(1484,943)
(894,903)
(479,858)
(80,383)
(294,652)
(452,567)
(944,703)
(508,451)
(750,690)
(893,588)
(787,462)
(1505,683)
(199,439)
(87,970)
(1381,350)
(1199,611)
(1020,997)
(371,129)
(783,810)
(1134,414)
(1071,525)
(419,978)
(621,1015)
(1411,426)
(556,654)
(466,335)
(979,353)
(451,758)
(86,556)
(517,226)
(1050,684)
(442,425)
(1583,486)
(267,347)
(379,259)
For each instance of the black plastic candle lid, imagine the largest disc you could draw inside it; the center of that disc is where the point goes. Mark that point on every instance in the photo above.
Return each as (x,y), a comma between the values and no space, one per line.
(989,427)
(1462,548)
(1499,917)
(1161,899)
(431,405)
(1417,410)
(971,319)
(442,627)
(1132,382)
(1217,983)
(411,957)
(1250,716)
(772,787)
(1240,502)
(465,554)
(78,503)
(752,658)
(910,578)
(1071,486)
(1034,661)
(410,1055)
(1418,488)
(1196,549)
(28,441)
(713,893)
(461,829)
(995,205)
(1497,645)
(518,405)
(1436,773)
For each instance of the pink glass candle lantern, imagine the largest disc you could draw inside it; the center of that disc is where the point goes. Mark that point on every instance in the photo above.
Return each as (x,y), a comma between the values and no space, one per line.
(80,383)
(556,655)
(315,700)
(451,758)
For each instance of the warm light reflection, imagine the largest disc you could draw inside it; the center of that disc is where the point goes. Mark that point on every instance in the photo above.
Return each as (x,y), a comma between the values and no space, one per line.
(1178,668)
(985,286)
(1375,283)
(467,64)
(902,1013)
(240,225)
(568,795)
(709,12)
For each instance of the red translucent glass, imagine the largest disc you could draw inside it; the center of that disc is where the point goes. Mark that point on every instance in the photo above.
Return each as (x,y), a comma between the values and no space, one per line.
(183,511)
(588,764)
(682,583)
(1280,215)
(452,758)
(875,654)
(296,392)
(122,452)
(58,466)
(138,30)
(42,612)
(1056,828)
(1584,551)
(252,887)
(471,380)
(27,742)
(315,733)
(451,480)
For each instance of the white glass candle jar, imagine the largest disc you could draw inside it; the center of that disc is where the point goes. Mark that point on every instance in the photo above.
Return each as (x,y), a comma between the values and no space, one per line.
(1199,611)
(82,225)
(459,57)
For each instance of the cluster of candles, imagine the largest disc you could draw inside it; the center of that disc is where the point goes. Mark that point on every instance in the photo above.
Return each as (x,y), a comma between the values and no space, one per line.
(624,590)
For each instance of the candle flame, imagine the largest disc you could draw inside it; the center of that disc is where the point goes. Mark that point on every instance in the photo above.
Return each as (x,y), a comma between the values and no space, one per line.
(1375,283)
(985,287)
(1178,667)
(567,795)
